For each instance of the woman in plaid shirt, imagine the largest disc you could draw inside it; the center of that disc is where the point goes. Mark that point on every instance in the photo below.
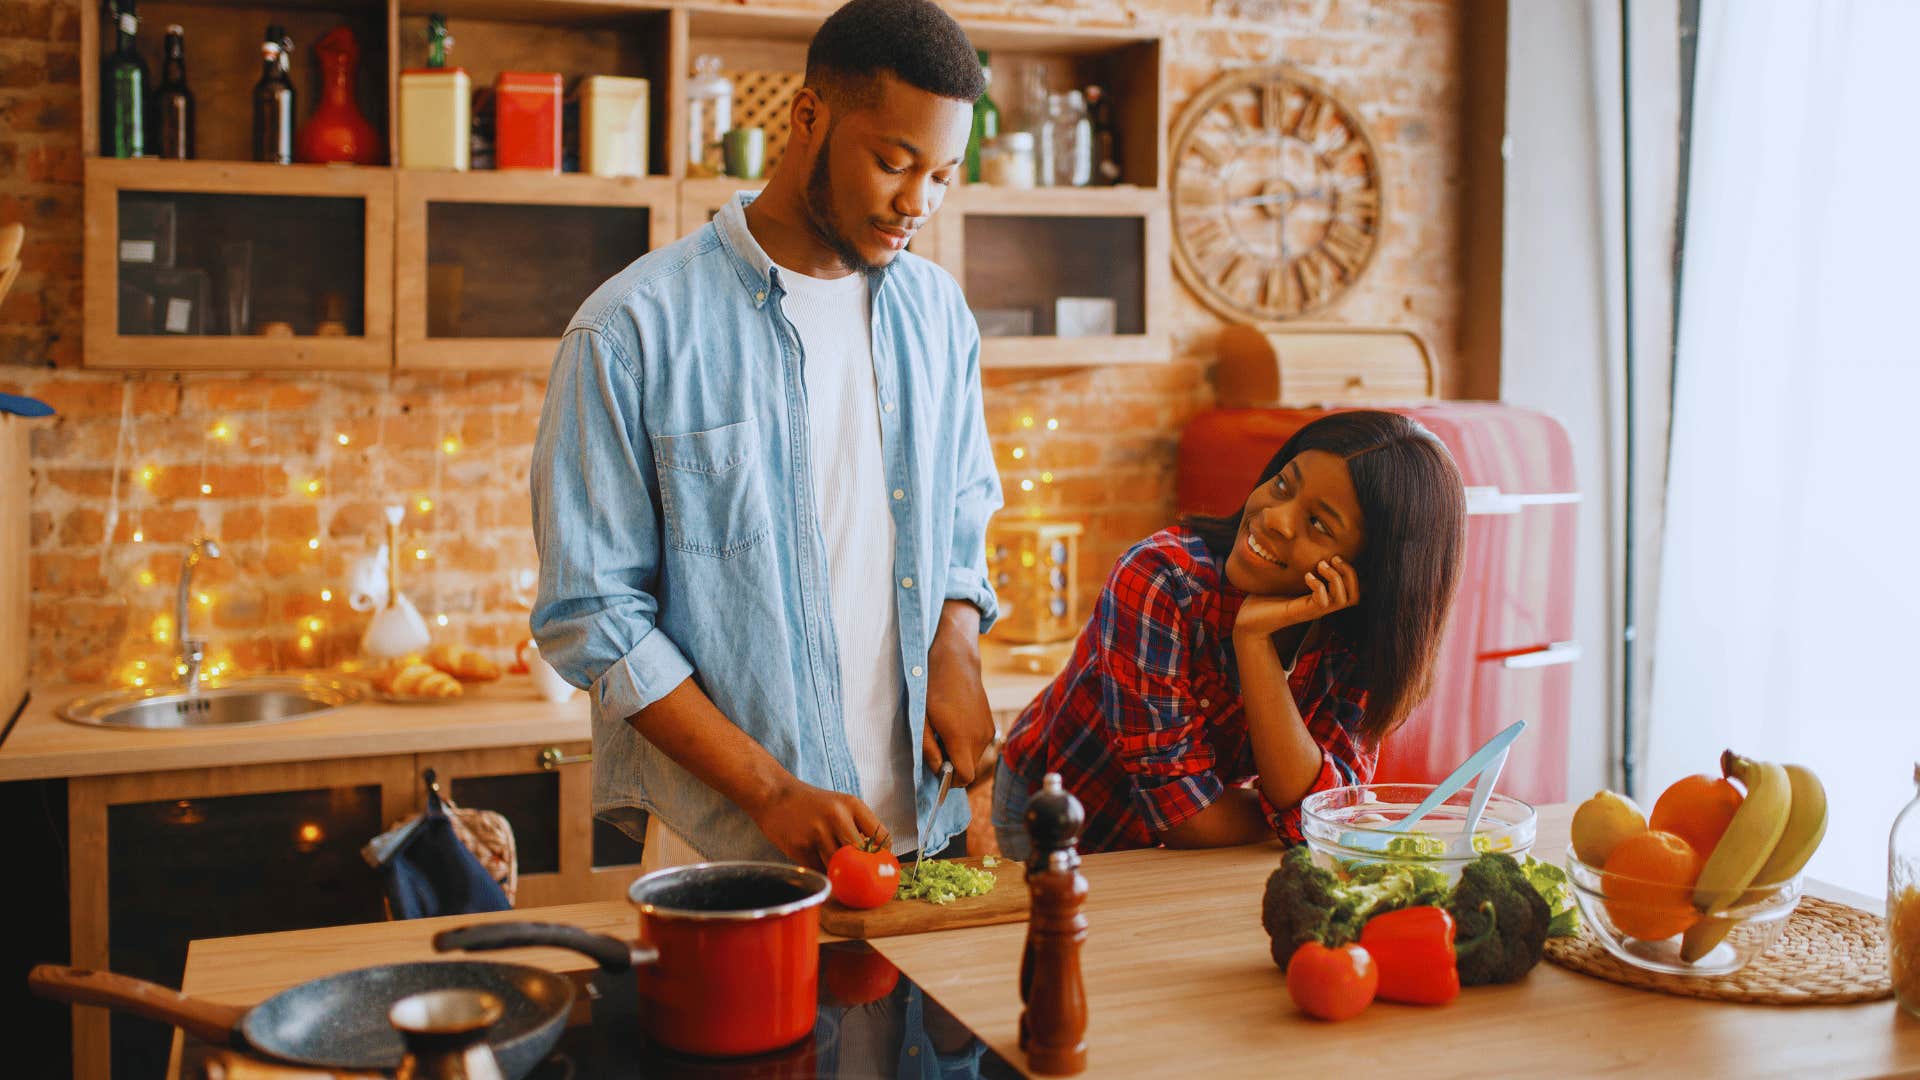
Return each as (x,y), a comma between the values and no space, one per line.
(1233,666)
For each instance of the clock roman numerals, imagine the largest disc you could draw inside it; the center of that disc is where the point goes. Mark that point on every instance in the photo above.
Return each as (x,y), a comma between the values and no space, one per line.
(1346,245)
(1312,116)
(1192,197)
(1316,277)
(1208,243)
(1230,278)
(1208,152)
(1356,202)
(1273,106)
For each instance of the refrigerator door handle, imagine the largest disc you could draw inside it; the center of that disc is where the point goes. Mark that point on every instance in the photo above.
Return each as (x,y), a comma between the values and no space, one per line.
(1491,500)
(1560,652)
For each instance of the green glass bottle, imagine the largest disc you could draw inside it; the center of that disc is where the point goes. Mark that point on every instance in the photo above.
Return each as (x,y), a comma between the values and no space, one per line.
(123,87)
(986,122)
(438,41)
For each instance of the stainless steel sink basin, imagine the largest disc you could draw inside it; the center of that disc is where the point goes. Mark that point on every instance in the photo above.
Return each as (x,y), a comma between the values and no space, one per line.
(265,700)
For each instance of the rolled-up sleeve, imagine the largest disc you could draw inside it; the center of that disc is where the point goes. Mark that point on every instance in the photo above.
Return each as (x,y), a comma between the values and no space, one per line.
(976,496)
(596,525)
(1333,710)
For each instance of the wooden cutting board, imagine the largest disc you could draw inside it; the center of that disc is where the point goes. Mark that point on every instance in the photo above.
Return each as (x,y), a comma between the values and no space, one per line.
(1007,903)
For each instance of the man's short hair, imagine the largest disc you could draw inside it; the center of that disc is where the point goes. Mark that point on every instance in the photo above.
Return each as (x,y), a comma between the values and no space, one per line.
(913,39)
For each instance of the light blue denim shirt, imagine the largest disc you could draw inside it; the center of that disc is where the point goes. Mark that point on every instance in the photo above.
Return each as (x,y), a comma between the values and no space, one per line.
(674,511)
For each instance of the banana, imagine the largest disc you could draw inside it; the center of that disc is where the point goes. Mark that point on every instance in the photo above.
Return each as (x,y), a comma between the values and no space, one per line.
(1750,837)
(1744,849)
(1806,827)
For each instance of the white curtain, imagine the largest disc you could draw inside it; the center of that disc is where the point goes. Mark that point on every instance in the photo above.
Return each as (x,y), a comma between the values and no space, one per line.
(1790,589)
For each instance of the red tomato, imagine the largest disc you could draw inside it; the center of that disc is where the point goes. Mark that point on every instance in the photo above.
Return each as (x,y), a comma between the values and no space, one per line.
(854,973)
(1331,984)
(863,879)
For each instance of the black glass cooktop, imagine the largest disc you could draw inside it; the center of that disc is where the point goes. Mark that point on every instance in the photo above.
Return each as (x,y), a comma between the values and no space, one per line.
(873,1023)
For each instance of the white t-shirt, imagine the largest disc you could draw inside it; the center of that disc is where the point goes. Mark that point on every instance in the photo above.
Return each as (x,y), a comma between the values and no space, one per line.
(850,481)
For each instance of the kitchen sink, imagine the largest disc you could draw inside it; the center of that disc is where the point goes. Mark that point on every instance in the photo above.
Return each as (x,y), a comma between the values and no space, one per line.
(265,700)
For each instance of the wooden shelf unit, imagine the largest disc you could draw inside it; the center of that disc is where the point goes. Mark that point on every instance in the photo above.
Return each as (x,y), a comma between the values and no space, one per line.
(1022,249)
(416,347)
(655,39)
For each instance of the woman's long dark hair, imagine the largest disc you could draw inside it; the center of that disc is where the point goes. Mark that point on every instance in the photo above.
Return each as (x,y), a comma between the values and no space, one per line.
(1413,507)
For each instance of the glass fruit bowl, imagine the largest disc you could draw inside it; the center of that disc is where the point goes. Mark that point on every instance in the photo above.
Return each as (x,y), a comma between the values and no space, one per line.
(1653,925)
(1347,825)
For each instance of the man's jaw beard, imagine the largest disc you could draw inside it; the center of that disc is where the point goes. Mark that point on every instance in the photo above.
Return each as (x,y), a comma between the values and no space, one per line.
(819,211)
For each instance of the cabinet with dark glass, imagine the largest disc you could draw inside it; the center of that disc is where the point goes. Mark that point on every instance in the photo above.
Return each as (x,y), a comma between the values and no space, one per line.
(491,265)
(230,265)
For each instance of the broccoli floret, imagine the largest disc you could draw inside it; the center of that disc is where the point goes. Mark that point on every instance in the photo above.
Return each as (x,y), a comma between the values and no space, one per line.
(1501,921)
(1305,902)
(1299,904)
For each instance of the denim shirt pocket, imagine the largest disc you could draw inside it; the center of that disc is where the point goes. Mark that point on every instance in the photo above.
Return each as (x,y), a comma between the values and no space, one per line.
(711,492)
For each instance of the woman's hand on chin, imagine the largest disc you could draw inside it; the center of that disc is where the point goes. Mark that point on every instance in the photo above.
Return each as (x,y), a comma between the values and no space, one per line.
(1332,586)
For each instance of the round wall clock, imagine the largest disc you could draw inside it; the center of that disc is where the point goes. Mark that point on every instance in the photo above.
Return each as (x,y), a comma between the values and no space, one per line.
(1277,195)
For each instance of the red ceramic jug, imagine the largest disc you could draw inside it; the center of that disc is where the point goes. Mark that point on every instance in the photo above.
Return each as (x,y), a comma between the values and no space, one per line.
(336,131)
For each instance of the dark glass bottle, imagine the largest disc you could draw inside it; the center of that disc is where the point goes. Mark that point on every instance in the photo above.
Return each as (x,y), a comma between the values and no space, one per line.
(173,102)
(273,101)
(123,87)
(986,122)
(1106,159)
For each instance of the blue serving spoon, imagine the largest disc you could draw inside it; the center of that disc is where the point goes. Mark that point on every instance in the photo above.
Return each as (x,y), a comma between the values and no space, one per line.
(1489,760)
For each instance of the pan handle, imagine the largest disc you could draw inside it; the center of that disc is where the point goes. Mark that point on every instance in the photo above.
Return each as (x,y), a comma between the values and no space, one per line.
(206,1020)
(610,953)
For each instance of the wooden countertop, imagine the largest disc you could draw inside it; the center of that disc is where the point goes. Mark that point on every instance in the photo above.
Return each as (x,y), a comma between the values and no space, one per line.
(1179,982)
(504,713)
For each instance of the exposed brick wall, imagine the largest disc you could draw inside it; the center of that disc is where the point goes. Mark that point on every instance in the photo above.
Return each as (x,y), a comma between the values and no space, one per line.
(1112,455)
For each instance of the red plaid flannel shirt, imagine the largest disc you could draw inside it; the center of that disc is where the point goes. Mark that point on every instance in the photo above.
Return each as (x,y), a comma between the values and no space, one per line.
(1146,727)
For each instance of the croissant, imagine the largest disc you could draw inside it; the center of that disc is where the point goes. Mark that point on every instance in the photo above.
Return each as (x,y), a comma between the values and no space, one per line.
(463,664)
(422,681)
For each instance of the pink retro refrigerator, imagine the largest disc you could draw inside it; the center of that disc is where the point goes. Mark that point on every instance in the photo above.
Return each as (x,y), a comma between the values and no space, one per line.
(1509,644)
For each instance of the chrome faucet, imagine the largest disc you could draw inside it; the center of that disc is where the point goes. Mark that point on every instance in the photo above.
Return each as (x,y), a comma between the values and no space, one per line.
(193,650)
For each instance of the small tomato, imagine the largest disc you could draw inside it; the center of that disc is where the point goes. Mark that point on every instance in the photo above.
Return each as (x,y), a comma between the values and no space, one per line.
(1332,984)
(864,876)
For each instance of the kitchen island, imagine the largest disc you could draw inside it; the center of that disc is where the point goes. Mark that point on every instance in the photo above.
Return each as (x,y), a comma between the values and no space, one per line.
(303,795)
(1179,983)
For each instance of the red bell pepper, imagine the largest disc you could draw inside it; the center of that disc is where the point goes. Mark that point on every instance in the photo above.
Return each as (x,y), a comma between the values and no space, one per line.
(1413,948)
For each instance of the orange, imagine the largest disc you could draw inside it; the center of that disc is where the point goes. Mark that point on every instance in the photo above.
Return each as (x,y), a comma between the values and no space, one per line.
(1648,884)
(1698,808)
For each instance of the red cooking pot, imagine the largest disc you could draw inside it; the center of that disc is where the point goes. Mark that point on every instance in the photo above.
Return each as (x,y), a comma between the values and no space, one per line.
(728,957)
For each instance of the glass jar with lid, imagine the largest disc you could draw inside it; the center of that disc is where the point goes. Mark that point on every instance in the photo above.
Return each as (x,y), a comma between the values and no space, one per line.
(1903,902)
(1008,161)
(709,115)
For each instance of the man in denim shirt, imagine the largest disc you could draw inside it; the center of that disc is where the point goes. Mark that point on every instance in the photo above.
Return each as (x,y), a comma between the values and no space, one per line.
(762,483)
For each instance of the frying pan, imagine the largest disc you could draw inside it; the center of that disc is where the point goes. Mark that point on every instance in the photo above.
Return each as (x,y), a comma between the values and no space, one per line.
(339,1021)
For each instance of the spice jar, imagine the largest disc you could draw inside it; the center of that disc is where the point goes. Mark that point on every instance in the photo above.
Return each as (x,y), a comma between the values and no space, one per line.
(1007,160)
(1903,902)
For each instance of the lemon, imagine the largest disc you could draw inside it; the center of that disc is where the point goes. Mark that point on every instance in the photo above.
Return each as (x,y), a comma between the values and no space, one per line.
(1602,822)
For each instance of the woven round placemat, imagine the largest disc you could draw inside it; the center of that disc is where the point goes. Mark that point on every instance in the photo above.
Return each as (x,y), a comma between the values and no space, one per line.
(1829,954)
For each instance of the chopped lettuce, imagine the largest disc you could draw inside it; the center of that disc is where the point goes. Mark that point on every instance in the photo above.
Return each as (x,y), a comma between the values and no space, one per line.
(942,881)
(1424,884)
(1551,883)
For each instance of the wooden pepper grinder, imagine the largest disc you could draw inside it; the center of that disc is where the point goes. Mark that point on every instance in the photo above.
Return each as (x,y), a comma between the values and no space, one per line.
(1053,1020)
